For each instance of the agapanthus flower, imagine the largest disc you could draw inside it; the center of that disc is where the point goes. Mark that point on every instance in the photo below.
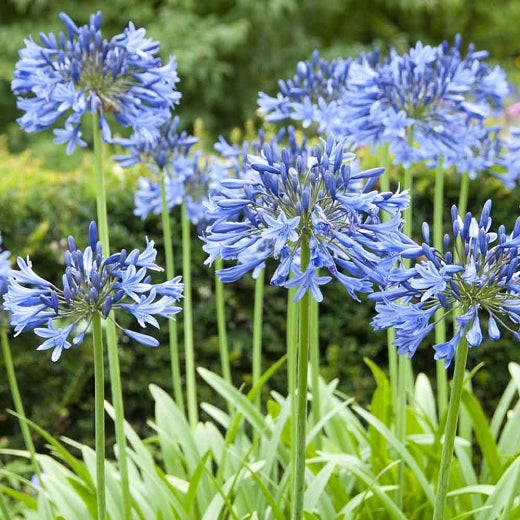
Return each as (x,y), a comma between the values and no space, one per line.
(80,71)
(312,95)
(92,284)
(420,102)
(483,152)
(287,200)
(188,178)
(475,277)
(509,160)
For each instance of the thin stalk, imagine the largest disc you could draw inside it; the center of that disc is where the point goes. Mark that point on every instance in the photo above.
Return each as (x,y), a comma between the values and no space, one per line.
(400,425)
(113,358)
(403,368)
(292,365)
(315,367)
(99,379)
(384,181)
(17,399)
(221,325)
(301,412)
(461,356)
(258,315)
(191,389)
(170,273)
(463,194)
(440,327)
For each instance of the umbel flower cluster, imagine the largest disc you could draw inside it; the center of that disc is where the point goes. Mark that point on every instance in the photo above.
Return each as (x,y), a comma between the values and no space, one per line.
(91,284)
(187,178)
(287,203)
(421,103)
(80,71)
(510,160)
(478,277)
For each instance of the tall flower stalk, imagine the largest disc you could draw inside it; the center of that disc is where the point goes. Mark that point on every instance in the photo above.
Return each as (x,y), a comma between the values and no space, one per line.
(170,270)
(474,274)
(93,287)
(258,315)
(222,330)
(440,327)
(309,211)
(189,348)
(113,356)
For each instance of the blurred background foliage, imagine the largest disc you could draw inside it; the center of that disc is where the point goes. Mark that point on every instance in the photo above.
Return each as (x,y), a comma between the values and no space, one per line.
(227,51)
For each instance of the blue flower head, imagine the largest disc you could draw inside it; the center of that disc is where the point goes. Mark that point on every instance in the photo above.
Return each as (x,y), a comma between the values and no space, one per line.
(312,95)
(80,71)
(91,284)
(314,197)
(187,178)
(421,102)
(509,160)
(478,276)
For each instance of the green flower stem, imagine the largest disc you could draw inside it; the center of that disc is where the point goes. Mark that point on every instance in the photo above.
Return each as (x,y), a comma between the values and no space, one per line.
(403,368)
(292,364)
(17,399)
(258,315)
(315,366)
(113,358)
(463,194)
(191,389)
(301,413)
(440,327)
(221,325)
(384,181)
(170,274)
(461,356)
(99,379)
(400,425)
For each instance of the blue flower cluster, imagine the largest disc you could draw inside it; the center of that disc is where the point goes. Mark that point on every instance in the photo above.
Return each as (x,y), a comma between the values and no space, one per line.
(422,102)
(312,95)
(510,160)
(80,71)
(286,199)
(91,284)
(187,177)
(479,276)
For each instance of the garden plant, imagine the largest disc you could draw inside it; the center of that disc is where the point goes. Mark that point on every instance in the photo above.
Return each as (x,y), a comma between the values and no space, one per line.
(320,206)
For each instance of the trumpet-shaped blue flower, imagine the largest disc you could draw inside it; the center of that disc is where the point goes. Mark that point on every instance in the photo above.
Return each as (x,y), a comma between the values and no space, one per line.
(187,179)
(91,284)
(285,199)
(76,72)
(311,95)
(421,103)
(478,276)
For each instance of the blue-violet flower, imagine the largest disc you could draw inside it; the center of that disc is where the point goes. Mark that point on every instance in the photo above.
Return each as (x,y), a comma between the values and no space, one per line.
(477,277)
(80,71)
(91,284)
